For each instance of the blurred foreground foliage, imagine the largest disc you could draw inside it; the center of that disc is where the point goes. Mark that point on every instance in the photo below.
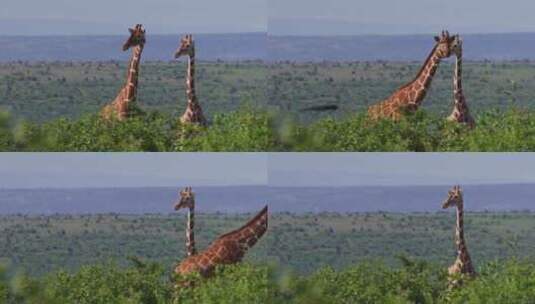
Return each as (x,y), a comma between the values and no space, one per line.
(414,281)
(257,130)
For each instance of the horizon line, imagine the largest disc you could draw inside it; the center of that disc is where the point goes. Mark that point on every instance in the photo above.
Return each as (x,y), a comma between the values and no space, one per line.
(395,35)
(125,34)
(270,186)
(267,33)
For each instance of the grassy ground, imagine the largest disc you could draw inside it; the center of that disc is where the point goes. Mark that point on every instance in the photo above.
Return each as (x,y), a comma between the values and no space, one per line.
(273,97)
(44,244)
(357,85)
(40,92)
(309,258)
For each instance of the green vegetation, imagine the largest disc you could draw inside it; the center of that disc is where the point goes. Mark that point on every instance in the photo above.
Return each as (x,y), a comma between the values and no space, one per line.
(143,283)
(307,258)
(353,86)
(242,130)
(341,240)
(40,92)
(414,282)
(43,244)
(513,130)
(255,130)
(254,106)
(367,282)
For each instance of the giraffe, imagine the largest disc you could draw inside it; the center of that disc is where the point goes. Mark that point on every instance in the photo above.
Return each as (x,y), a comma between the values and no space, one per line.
(229,248)
(463,264)
(193,113)
(460,113)
(187,200)
(119,107)
(410,96)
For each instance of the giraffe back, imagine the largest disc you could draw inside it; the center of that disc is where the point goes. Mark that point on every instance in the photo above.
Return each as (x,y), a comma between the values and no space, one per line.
(229,248)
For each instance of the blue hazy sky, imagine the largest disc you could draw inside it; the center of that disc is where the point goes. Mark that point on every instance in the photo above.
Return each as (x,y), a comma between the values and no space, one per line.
(353,169)
(301,17)
(67,170)
(41,170)
(35,17)
(311,17)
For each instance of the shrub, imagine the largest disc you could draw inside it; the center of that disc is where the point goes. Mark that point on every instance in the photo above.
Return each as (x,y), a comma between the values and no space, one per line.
(244,130)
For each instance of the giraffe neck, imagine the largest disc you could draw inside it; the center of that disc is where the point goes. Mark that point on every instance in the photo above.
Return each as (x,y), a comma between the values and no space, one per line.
(460,112)
(132,74)
(424,77)
(190,237)
(457,78)
(251,232)
(459,104)
(190,79)
(459,233)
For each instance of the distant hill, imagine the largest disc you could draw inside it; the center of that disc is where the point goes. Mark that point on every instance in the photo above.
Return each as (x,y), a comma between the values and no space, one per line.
(246,46)
(251,198)
(128,200)
(400,198)
(515,46)
(258,46)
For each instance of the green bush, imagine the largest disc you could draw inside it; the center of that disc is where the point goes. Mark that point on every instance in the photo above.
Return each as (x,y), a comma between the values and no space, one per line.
(507,282)
(230,285)
(254,130)
(513,130)
(6,136)
(145,283)
(367,282)
(243,130)
(415,282)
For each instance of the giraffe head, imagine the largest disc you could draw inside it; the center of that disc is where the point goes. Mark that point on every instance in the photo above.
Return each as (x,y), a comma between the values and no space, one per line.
(455,198)
(444,41)
(186,46)
(187,199)
(456,46)
(137,37)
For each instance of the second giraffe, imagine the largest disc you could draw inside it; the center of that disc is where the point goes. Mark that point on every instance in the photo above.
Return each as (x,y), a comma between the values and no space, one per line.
(229,248)
(193,113)
(460,113)
(463,264)
(409,97)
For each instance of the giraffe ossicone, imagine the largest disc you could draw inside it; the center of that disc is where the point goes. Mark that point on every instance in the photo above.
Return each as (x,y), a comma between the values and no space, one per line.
(120,106)
(409,97)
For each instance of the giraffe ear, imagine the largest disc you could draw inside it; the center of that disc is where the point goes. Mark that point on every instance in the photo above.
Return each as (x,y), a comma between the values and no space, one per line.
(131,30)
(437,39)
